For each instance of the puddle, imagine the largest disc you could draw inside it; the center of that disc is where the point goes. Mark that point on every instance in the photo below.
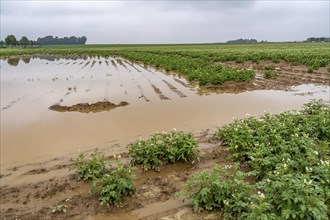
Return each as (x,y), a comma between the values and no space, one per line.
(148,210)
(31,132)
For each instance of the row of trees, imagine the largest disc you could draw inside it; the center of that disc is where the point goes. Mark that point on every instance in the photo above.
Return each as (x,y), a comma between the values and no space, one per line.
(50,40)
(318,39)
(242,41)
(11,40)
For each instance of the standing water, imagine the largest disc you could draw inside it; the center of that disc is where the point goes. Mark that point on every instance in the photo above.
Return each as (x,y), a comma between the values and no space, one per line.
(44,112)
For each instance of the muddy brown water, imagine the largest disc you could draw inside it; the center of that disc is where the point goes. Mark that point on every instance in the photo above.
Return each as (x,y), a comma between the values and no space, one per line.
(31,132)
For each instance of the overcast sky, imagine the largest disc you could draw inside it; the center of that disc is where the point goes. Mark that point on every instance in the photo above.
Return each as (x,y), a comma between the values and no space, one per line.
(166,21)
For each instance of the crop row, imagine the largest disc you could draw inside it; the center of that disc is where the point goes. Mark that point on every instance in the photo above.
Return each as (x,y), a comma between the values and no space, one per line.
(197,62)
(194,69)
(287,156)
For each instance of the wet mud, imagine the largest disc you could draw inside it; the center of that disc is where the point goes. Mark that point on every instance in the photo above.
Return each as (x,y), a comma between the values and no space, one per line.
(174,89)
(114,64)
(86,64)
(287,75)
(159,92)
(155,197)
(87,108)
(121,63)
(93,63)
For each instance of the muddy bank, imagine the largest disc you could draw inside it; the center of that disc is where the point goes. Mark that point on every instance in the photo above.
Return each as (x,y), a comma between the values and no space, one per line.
(155,197)
(87,108)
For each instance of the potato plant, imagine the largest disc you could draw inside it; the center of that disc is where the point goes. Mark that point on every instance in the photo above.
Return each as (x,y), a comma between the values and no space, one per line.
(114,185)
(289,156)
(89,168)
(223,188)
(268,74)
(111,180)
(163,148)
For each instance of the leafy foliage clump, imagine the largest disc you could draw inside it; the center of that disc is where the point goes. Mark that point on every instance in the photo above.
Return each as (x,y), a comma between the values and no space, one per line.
(289,195)
(89,168)
(223,188)
(270,74)
(59,208)
(115,184)
(269,67)
(289,154)
(163,148)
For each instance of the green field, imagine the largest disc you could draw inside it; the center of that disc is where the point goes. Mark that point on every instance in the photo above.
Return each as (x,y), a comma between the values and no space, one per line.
(197,62)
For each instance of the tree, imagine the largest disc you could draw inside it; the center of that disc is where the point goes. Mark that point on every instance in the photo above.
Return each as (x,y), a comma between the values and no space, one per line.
(82,40)
(72,40)
(2,43)
(24,41)
(11,40)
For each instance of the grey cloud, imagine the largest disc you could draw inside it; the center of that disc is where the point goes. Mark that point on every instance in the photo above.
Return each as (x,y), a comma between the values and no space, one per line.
(167,21)
(204,5)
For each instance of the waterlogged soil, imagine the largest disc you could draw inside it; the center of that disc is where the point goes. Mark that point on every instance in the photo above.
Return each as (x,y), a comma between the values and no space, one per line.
(38,144)
(286,76)
(50,183)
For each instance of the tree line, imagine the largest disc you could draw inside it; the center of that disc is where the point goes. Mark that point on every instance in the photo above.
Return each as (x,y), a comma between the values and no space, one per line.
(318,39)
(12,41)
(242,41)
(50,40)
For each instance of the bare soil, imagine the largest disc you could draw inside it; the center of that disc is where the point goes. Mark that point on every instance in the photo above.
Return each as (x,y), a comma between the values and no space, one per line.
(155,197)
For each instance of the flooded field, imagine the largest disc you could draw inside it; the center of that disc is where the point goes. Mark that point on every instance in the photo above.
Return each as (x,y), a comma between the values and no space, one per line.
(44,112)
(53,108)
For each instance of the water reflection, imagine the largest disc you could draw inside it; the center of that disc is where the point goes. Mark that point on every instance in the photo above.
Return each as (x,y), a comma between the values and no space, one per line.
(13,61)
(26,59)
